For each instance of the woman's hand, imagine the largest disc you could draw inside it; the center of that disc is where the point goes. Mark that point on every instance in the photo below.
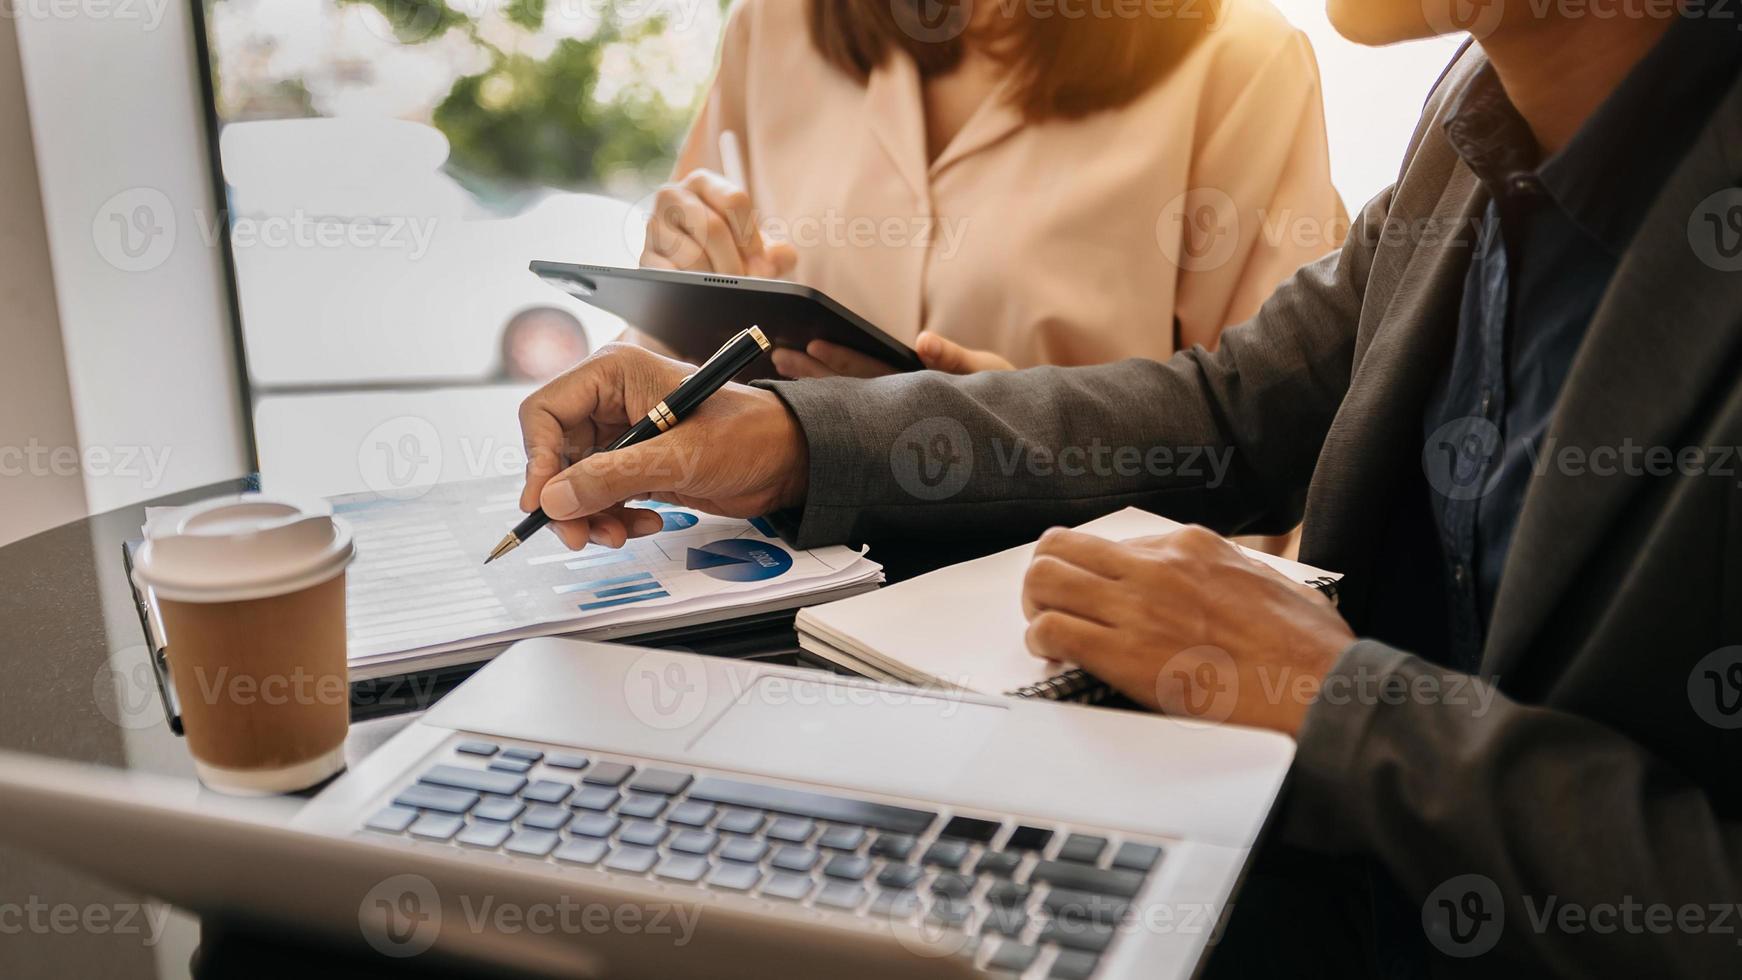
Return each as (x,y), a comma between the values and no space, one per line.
(952,358)
(822,359)
(704,223)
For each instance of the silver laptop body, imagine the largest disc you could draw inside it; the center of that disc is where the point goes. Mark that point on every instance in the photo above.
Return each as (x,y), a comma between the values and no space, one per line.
(588,809)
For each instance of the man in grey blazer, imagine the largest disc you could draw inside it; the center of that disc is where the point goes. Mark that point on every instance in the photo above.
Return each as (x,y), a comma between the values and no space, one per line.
(1507,410)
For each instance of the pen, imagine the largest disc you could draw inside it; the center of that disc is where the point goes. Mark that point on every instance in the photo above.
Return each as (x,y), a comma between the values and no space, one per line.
(732,160)
(735,356)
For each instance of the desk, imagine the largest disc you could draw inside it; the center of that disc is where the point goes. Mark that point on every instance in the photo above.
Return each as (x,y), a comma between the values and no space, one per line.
(77,685)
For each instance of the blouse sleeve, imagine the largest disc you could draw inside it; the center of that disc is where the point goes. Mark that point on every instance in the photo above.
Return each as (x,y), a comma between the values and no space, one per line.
(725,107)
(1262,203)
(721,110)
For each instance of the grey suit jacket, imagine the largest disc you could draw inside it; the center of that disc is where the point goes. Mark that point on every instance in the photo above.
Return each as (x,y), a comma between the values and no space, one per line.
(1602,778)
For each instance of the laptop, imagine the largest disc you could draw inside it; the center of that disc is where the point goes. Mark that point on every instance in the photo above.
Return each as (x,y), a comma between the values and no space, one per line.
(586,809)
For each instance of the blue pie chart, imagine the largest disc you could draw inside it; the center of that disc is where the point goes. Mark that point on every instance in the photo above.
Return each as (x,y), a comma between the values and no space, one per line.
(739,560)
(677,520)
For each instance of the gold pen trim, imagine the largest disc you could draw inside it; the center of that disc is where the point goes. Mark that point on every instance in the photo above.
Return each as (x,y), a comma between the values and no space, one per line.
(755,333)
(503,547)
(662,417)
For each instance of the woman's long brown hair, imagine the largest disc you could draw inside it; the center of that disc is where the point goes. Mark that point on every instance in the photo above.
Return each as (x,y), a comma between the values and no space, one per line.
(1070,57)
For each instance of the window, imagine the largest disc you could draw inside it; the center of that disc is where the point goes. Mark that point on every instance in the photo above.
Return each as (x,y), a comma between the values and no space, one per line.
(390,167)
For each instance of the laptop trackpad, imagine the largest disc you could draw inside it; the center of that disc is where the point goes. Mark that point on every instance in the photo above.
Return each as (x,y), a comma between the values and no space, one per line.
(913,743)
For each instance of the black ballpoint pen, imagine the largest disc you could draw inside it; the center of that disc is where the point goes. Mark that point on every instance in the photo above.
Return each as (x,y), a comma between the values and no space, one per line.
(735,356)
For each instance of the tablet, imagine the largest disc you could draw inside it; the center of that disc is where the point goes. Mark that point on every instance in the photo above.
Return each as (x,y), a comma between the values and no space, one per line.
(694,313)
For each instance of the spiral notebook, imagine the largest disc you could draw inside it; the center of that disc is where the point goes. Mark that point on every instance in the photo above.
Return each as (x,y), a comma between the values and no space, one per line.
(962,627)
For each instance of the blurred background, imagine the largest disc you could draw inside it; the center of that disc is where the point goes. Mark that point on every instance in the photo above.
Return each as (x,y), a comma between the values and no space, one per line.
(473,136)
(380,175)
(391,166)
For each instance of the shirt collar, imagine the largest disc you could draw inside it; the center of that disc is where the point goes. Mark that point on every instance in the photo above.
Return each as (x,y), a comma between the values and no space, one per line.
(1609,173)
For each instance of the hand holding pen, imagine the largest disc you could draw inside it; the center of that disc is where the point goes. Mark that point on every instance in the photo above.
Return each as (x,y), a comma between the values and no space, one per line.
(723,448)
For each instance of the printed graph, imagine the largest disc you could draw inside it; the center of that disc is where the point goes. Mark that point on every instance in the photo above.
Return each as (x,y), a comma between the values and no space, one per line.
(419,583)
(617,591)
(739,560)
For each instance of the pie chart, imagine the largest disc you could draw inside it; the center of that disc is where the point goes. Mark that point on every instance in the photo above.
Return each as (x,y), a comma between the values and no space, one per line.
(677,520)
(738,560)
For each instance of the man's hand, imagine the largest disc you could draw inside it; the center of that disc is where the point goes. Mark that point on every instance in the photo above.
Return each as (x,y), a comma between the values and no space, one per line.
(740,454)
(1184,623)
(822,359)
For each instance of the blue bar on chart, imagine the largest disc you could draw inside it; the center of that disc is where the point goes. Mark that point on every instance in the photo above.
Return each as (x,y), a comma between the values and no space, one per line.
(626,589)
(617,591)
(602,583)
(607,603)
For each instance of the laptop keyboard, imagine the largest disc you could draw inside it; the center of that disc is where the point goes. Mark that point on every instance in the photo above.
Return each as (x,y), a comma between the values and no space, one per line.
(1027,899)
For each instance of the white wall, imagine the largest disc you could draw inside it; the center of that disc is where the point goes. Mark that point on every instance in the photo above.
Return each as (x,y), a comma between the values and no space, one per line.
(112,88)
(1373,97)
(37,489)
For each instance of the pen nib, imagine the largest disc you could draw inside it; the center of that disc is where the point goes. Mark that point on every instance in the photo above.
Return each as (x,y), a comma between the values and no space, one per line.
(503,547)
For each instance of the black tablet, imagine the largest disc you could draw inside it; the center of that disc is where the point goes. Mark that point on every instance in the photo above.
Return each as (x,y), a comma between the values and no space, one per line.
(694,313)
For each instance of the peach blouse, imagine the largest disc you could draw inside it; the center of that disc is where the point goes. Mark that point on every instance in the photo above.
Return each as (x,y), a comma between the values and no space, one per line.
(1128,233)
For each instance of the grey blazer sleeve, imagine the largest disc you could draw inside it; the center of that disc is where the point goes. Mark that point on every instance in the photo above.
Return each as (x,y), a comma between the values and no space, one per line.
(1226,439)
(1475,801)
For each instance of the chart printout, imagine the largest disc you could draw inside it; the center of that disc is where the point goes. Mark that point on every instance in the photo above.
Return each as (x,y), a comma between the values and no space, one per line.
(418,580)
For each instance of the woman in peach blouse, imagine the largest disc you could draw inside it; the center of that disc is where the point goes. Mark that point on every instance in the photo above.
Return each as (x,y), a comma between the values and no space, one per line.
(1013,182)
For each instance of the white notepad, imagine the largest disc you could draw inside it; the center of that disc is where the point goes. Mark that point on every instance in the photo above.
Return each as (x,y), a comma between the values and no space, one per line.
(962,627)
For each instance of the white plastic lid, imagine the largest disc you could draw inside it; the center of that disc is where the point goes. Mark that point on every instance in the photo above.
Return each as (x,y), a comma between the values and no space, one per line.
(251,546)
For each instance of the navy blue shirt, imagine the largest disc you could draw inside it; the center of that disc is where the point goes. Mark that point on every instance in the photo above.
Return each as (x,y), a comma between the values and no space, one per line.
(1547,247)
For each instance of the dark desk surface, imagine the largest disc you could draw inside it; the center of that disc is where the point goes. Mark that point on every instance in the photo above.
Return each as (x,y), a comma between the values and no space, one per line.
(77,684)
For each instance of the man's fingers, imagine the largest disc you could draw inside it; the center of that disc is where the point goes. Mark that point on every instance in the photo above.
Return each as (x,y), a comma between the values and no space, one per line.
(614,526)
(603,480)
(846,361)
(1052,583)
(1108,559)
(1192,539)
(1061,636)
(574,534)
(552,420)
(1207,549)
(606,529)
(642,521)
(542,463)
(610,528)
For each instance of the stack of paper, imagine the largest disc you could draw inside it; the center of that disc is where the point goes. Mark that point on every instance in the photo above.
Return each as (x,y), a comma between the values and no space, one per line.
(419,595)
(962,627)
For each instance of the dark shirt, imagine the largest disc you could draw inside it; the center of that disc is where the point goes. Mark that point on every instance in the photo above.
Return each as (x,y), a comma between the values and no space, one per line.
(1547,246)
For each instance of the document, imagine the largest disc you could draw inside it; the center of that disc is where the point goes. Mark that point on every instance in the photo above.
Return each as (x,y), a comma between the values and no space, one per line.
(418,594)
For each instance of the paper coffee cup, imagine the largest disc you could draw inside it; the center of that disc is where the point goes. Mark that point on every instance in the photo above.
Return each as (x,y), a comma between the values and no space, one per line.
(252,594)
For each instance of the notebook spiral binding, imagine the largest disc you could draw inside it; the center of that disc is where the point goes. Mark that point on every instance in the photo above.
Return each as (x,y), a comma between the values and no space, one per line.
(1327,586)
(1078,686)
